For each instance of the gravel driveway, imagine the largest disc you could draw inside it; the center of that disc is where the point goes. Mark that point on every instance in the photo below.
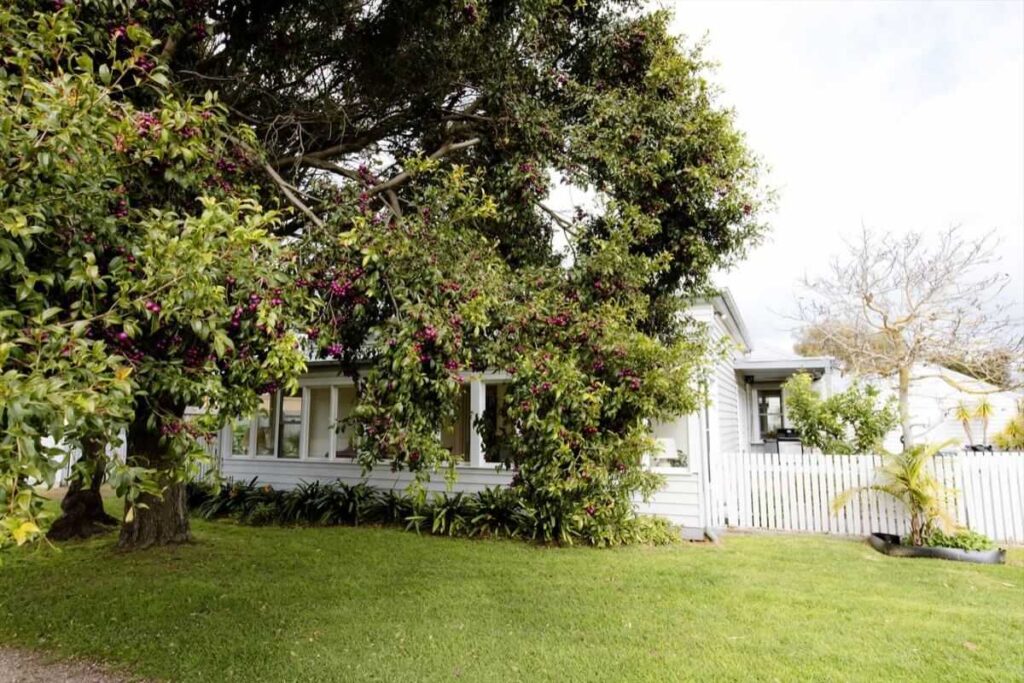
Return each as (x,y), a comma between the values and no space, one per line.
(20,666)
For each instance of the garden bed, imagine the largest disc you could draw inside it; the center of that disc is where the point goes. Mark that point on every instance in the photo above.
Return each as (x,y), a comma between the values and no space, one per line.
(890,544)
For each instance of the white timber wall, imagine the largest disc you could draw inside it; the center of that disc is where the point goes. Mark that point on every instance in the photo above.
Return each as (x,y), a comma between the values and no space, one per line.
(286,474)
(725,392)
(793,491)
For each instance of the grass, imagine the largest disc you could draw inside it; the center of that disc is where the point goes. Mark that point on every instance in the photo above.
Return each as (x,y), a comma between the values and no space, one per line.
(342,604)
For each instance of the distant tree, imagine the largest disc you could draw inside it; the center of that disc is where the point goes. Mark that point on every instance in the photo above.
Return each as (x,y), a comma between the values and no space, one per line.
(983,411)
(964,413)
(852,421)
(997,366)
(897,302)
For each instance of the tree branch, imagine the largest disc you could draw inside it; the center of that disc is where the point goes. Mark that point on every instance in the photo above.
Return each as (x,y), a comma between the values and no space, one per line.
(446,148)
(292,198)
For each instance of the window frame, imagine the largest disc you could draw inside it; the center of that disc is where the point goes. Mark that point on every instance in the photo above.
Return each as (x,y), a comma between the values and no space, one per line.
(476,383)
(774,389)
(334,384)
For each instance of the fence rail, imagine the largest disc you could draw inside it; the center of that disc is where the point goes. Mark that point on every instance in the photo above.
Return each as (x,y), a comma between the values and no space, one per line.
(794,492)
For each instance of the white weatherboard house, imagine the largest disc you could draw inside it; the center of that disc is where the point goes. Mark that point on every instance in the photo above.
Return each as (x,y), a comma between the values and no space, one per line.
(293,438)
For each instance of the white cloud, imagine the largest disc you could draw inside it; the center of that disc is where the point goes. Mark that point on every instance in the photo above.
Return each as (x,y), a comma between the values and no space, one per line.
(900,116)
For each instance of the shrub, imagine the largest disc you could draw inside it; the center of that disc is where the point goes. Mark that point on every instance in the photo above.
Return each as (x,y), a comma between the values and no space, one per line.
(963,539)
(448,514)
(263,512)
(499,512)
(362,498)
(391,507)
(906,477)
(300,504)
(334,505)
(494,512)
(1012,436)
(853,421)
(651,531)
(226,501)
(197,493)
(259,504)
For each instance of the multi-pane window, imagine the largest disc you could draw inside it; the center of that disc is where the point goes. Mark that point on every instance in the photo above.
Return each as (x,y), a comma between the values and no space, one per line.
(241,430)
(320,422)
(494,423)
(344,441)
(770,412)
(455,437)
(314,424)
(266,425)
(289,428)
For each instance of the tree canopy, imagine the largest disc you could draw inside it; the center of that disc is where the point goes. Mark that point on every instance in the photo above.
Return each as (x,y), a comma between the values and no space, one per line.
(415,150)
(139,274)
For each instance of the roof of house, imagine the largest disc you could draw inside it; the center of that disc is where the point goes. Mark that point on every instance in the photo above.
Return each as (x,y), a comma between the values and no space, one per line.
(780,368)
(724,306)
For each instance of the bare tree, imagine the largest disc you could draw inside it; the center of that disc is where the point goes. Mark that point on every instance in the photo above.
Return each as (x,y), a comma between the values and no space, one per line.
(896,302)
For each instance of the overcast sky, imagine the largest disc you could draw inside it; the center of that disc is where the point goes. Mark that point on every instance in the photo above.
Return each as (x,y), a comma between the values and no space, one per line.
(897,115)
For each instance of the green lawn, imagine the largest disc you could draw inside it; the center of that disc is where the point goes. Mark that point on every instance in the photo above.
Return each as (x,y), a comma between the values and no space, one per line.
(343,604)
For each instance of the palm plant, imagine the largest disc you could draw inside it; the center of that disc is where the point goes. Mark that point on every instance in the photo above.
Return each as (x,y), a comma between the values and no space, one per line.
(965,414)
(905,476)
(1012,436)
(983,411)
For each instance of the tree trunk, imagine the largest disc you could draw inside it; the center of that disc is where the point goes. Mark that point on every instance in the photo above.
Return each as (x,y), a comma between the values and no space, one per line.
(904,402)
(916,536)
(154,520)
(82,513)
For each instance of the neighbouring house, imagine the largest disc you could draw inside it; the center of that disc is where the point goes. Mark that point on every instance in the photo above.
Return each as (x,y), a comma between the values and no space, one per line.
(293,437)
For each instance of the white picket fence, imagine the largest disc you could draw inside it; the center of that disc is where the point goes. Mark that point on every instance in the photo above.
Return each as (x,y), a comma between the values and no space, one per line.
(118,453)
(794,492)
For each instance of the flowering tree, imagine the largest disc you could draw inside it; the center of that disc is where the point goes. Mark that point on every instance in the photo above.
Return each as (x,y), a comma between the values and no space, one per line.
(418,142)
(137,272)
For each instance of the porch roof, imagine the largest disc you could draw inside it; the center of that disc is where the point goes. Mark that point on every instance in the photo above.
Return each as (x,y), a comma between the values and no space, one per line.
(779,369)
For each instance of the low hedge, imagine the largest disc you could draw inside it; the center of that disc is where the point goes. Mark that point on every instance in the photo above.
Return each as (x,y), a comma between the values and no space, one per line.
(494,512)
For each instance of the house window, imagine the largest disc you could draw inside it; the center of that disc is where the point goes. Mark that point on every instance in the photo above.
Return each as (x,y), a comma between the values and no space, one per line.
(240,432)
(290,426)
(455,437)
(320,422)
(494,425)
(344,441)
(266,423)
(769,412)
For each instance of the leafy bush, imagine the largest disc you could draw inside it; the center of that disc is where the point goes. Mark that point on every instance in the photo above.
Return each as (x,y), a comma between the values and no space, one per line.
(227,501)
(853,421)
(391,507)
(963,539)
(259,505)
(494,512)
(197,493)
(499,512)
(448,514)
(1012,436)
(301,504)
(334,505)
(652,531)
(906,477)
